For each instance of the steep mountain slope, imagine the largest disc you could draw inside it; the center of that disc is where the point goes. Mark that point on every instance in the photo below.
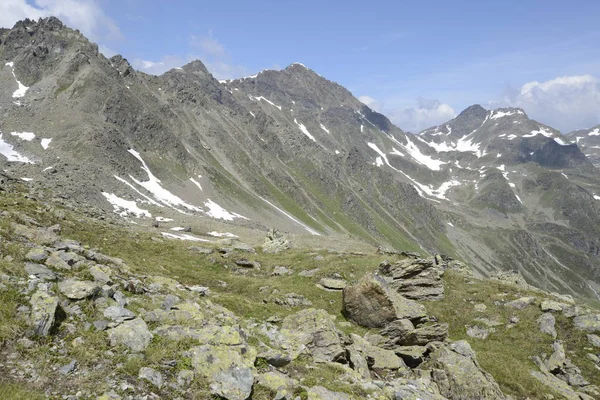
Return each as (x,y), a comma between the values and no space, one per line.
(292,150)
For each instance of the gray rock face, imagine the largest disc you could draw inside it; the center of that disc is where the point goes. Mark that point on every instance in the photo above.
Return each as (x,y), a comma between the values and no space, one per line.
(321,393)
(133,334)
(36,255)
(459,376)
(479,332)
(552,306)
(78,290)
(46,314)
(234,383)
(594,340)
(404,333)
(419,279)
(371,303)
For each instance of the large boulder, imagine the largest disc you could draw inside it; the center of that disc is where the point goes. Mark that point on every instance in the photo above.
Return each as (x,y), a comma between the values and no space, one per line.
(315,330)
(404,333)
(372,304)
(419,279)
(78,290)
(458,374)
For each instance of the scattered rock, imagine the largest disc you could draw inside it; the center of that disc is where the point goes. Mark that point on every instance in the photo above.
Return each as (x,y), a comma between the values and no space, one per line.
(55,261)
(480,307)
(133,334)
(552,306)
(101,274)
(521,303)
(588,323)
(201,250)
(78,290)
(478,332)
(371,303)
(293,300)
(151,375)
(118,314)
(280,271)
(247,263)
(332,283)
(309,273)
(413,356)
(67,369)
(185,378)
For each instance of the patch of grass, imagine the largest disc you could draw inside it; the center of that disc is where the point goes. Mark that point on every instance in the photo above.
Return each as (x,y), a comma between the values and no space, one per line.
(10,326)
(14,391)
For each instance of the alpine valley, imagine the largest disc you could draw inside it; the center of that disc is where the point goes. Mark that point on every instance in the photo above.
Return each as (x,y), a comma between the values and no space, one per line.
(460,262)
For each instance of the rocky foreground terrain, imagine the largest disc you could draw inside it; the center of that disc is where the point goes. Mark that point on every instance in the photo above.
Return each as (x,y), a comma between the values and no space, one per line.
(98,309)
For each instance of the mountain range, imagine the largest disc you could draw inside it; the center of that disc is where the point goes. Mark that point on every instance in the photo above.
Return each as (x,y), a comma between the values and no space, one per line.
(295,151)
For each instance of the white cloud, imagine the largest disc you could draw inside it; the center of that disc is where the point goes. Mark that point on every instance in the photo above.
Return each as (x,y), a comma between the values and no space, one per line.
(566,103)
(370,102)
(85,15)
(158,67)
(424,114)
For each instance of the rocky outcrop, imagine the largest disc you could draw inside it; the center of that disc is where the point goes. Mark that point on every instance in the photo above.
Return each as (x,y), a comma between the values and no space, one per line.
(276,242)
(416,279)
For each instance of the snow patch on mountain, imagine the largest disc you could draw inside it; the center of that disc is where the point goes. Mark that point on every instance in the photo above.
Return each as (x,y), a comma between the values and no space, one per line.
(304,130)
(259,98)
(27,136)
(222,234)
(325,129)
(195,182)
(216,211)
(125,207)
(540,131)
(423,159)
(496,114)
(561,142)
(45,142)
(381,154)
(22,89)
(153,186)
(8,151)
(595,132)
(183,236)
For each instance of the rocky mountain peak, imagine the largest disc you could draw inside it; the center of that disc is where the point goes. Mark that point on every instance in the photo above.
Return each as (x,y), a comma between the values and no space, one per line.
(196,66)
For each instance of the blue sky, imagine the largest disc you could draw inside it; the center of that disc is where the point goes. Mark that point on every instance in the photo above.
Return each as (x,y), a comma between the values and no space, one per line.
(420,63)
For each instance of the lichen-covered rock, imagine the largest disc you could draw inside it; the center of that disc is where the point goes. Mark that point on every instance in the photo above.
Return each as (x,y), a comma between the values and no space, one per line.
(376,358)
(333,283)
(46,313)
(403,333)
(229,369)
(78,290)
(210,334)
(37,254)
(588,323)
(371,303)
(594,340)
(39,271)
(552,306)
(315,330)
(55,261)
(133,334)
(118,314)
(101,274)
(277,382)
(458,374)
